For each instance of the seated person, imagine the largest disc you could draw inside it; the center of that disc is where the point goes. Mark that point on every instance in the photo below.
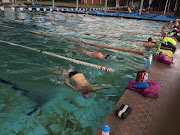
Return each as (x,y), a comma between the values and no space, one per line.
(176,24)
(82,85)
(150,44)
(169,25)
(163,33)
(97,55)
(168,46)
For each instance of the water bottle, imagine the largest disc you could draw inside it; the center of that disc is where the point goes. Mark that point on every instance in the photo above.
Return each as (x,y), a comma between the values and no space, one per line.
(106,130)
(150,60)
(143,73)
(145,77)
(151,57)
(148,64)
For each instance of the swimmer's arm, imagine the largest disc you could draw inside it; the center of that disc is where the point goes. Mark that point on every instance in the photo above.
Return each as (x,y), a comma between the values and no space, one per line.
(114,60)
(86,52)
(72,87)
(105,87)
(83,50)
(156,43)
(56,72)
(62,69)
(59,73)
(145,44)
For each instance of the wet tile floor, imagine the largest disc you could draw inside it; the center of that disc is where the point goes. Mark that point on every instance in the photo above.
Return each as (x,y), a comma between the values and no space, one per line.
(151,116)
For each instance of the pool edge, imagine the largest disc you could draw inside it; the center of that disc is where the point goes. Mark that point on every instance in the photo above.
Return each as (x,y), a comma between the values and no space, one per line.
(148,114)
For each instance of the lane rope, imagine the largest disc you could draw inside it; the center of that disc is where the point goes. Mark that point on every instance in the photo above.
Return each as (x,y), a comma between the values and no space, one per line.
(103,46)
(80,41)
(122,31)
(107,35)
(62,57)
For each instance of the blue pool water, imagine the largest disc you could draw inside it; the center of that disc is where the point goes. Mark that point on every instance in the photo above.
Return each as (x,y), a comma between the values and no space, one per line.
(34,100)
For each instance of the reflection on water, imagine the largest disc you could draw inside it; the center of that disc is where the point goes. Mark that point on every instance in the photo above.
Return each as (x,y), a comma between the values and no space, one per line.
(36,101)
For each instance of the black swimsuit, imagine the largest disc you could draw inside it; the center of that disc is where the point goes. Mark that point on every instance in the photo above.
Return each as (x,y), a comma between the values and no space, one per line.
(73,73)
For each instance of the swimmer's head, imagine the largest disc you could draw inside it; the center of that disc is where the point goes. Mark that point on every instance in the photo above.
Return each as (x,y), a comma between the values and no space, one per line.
(150,39)
(86,95)
(107,56)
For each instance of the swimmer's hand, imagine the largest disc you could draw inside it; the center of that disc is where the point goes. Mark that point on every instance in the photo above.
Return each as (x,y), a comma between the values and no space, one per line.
(66,80)
(50,69)
(105,87)
(116,87)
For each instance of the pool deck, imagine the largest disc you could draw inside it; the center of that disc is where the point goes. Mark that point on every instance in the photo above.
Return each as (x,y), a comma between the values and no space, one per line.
(151,116)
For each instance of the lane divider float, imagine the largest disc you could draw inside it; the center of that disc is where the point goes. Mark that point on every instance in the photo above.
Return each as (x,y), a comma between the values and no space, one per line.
(18,20)
(8,27)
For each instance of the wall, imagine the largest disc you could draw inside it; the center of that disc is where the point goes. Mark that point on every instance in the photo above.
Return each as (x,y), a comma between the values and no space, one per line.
(95,2)
(5,1)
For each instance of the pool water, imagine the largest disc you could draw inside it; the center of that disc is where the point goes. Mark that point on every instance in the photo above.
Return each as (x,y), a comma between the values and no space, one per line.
(36,101)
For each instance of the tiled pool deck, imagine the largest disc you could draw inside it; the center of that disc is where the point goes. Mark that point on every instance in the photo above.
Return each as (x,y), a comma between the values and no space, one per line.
(151,116)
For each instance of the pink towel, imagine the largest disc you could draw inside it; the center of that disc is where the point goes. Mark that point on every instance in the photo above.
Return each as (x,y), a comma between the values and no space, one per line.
(151,91)
(164,58)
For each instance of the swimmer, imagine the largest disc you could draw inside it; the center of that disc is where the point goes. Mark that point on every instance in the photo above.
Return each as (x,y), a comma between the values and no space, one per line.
(97,55)
(163,33)
(72,16)
(176,23)
(150,44)
(86,15)
(169,25)
(82,85)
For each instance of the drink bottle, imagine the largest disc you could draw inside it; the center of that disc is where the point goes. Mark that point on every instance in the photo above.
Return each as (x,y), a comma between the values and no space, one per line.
(106,130)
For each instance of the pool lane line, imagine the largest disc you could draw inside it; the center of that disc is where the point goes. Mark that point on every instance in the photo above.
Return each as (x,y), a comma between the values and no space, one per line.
(24,93)
(14,86)
(105,35)
(80,41)
(123,31)
(62,57)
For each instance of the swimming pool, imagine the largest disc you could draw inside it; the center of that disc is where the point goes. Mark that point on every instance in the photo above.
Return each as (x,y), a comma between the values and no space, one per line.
(36,101)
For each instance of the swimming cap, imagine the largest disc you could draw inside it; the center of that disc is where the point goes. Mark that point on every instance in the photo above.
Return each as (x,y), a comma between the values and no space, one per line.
(108,56)
(150,39)
(86,95)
